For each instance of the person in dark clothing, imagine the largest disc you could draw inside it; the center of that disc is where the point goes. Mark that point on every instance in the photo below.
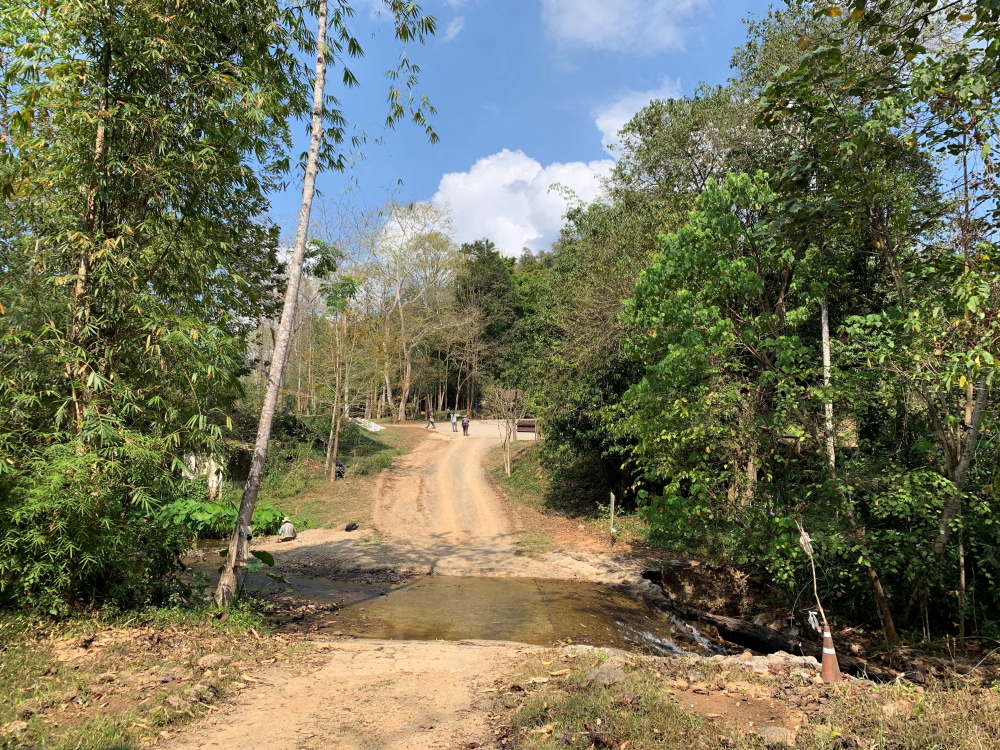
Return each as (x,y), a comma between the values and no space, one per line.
(340,469)
(465,425)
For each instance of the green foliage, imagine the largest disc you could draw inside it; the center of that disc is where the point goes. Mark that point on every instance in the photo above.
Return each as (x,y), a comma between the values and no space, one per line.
(141,151)
(365,465)
(863,181)
(141,145)
(727,419)
(81,524)
(484,282)
(668,153)
(208,519)
(362,453)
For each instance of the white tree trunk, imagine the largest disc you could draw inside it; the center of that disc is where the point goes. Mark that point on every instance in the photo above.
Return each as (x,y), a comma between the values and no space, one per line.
(831,451)
(236,556)
(404,387)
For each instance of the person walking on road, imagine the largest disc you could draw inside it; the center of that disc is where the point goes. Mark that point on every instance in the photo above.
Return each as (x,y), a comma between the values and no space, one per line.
(465,425)
(430,420)
(454,421)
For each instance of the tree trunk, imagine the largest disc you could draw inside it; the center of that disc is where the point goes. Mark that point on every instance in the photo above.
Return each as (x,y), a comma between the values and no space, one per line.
(881,600)
(404,387)
(331,445)
(330,436)
(343,409)
(389,399)
(472,379)
(959,457)
(310,383)
(81,287)
(459,385)
(235,557)
(298,385)
(506,450)
(831,451)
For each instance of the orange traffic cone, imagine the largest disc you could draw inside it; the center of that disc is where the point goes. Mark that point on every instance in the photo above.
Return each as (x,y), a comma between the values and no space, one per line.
(830,670)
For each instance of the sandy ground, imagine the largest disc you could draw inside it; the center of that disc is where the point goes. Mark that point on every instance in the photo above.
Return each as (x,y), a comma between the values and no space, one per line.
(435,513)
(364,695)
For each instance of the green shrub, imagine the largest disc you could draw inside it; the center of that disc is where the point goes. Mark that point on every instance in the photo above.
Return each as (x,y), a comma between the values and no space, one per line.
(198,517)
(78,525)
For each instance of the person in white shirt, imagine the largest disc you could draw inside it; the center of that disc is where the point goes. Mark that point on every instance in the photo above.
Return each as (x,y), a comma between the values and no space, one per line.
(287,531)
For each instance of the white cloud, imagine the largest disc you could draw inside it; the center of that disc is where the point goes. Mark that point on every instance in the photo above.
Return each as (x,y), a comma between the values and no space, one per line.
(506,198)
(612,117)
(454,28)
(640,26)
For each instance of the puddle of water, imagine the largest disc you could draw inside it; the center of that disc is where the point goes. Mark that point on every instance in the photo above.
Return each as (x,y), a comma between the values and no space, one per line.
(525,610)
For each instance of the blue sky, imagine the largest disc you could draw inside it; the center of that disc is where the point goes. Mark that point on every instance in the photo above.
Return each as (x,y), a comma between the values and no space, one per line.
(529,93)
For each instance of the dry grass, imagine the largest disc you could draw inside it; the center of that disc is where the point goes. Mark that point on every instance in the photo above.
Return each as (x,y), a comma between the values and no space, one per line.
(569,712)
(527,487)
(331,505)
(527,483)
(100,685)
(670,703)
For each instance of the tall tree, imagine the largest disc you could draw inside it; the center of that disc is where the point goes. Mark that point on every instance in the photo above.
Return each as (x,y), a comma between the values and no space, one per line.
(409,25)
(899,76)
(141,143)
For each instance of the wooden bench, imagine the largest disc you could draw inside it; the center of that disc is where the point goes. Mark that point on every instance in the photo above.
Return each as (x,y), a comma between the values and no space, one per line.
(527,425)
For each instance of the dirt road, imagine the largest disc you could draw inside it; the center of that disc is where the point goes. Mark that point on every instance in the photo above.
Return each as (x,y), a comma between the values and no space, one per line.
(364,695)
(440,503)
(435,513)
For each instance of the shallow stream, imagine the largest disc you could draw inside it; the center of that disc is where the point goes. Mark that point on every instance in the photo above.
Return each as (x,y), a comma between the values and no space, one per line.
(525,610)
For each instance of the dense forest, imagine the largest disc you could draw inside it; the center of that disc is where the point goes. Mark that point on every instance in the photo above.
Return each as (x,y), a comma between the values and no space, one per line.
(783,310)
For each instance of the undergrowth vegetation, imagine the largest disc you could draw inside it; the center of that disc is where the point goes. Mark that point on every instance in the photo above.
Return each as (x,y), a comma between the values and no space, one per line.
(528,483)
(554,703)
(107,682)
(533,484)
(295,465)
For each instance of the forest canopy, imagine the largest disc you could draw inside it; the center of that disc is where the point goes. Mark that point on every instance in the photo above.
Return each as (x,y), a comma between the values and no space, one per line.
(785,312)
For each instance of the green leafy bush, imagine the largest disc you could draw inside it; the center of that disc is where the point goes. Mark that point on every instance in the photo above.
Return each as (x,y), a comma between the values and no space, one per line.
(197,517)
(78,526)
